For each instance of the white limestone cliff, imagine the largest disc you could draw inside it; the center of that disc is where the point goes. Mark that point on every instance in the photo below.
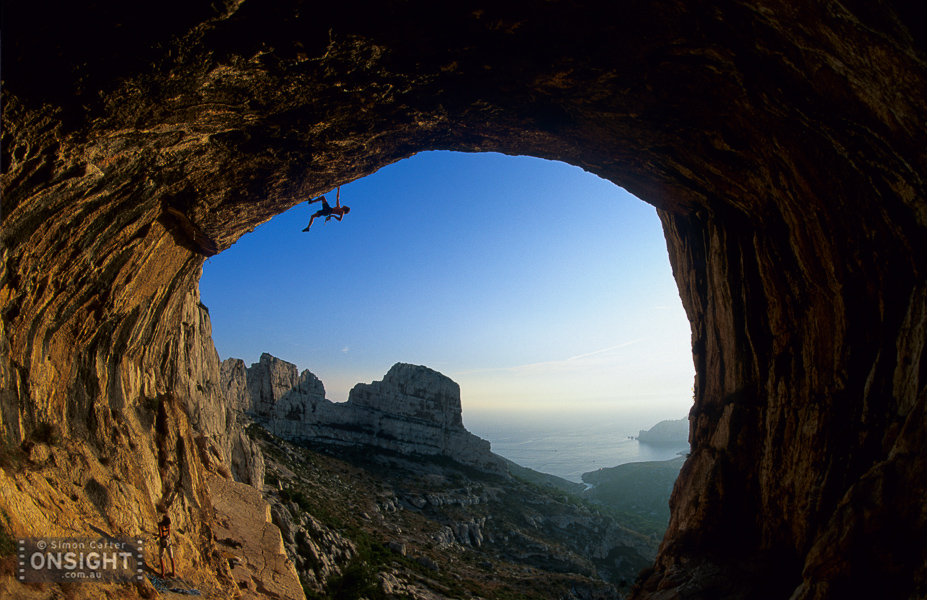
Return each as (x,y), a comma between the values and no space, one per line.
(413,410)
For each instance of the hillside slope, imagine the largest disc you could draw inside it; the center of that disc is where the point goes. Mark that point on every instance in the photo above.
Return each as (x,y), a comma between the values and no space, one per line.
(640,492)
(387,525)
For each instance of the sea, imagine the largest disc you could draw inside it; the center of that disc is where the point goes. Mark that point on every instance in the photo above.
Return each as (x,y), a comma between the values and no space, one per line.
(568,445)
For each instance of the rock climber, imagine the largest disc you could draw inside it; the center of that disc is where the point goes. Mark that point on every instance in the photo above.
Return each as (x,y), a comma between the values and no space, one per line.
(164,543)
(338,211)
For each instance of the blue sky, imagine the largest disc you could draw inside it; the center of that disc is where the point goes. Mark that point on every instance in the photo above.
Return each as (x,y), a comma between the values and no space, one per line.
(534,285)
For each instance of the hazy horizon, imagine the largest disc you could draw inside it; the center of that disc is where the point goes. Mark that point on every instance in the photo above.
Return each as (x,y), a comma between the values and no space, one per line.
(568,445)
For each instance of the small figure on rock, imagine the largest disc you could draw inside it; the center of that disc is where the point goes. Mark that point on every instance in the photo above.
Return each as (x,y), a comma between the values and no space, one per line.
(338,211)
(164,543)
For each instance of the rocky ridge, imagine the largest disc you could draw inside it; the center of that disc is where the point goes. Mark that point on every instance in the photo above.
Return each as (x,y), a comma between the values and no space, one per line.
(413,410)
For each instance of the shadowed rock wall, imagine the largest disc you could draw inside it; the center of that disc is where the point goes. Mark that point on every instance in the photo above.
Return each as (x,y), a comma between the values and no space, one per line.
(784,148)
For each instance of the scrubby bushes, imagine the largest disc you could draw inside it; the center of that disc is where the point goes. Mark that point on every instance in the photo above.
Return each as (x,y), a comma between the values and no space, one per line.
(358,580)
(294,495)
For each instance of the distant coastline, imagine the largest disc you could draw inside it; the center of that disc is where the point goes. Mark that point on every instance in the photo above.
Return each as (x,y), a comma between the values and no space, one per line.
(670,432)
(568,447)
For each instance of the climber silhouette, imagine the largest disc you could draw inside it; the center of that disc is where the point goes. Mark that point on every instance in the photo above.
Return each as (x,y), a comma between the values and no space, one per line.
(338,211)
(164,539)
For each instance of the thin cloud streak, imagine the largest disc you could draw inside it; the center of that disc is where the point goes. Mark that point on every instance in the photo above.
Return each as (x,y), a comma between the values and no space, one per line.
(551,364)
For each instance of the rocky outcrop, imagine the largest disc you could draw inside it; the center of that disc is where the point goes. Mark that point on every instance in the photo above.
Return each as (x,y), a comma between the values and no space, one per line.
(321,552)
(783,144)
(251,543)
(271,388)
(246,460)
(470,533)
(413,410)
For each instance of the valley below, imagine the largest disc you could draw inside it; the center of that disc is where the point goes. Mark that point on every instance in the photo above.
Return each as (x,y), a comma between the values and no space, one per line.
(379,524)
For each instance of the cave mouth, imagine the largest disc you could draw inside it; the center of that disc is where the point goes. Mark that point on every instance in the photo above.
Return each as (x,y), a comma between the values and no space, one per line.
(782,147)
(544,291)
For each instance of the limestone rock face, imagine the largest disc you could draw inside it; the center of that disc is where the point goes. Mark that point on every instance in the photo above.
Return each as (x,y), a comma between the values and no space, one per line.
(270,389)
(783,144)
(233,381)
(413,410)
(416,393)
(273,380)
(250,543)
(325,552)
(246,460)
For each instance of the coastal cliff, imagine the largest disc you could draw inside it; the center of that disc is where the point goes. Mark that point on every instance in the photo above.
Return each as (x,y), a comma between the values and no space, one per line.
(666,432)
(413,410)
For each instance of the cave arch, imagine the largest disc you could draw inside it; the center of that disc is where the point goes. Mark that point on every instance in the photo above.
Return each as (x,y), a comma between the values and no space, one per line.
(783,147)
(469,263)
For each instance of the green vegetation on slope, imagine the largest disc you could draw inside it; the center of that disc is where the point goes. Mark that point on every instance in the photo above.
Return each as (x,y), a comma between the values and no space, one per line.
(429,523)
(543,479)
(639,492)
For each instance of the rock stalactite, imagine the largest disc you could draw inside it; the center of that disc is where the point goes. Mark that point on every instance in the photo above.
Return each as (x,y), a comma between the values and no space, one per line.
(783,145)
